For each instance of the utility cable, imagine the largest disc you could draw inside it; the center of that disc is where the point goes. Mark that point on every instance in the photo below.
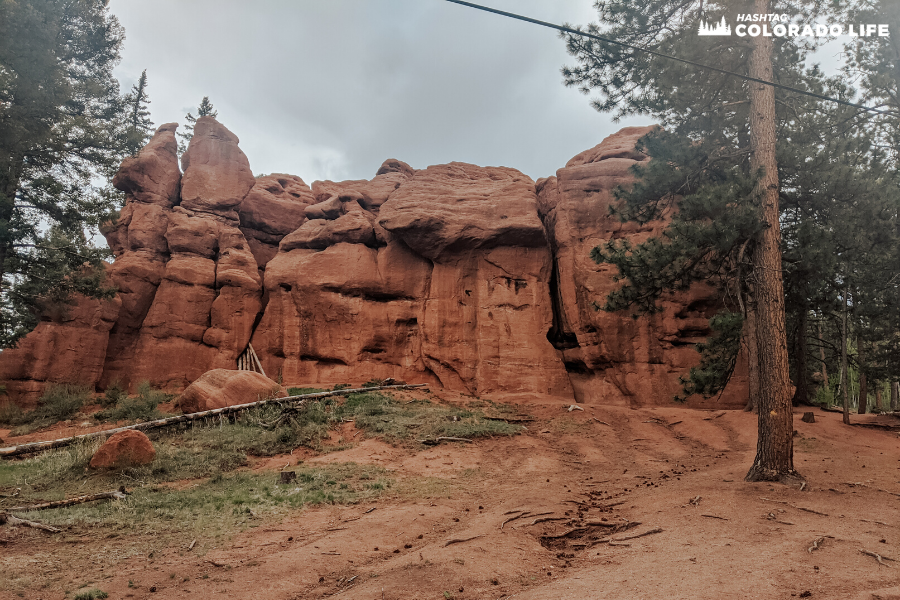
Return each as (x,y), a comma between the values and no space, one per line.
(565,29)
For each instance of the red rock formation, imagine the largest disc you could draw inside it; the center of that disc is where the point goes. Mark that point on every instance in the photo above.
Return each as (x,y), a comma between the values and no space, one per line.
(611,357)
(68,348)
(225,387)
(469,277)
(124,449)
(195,281)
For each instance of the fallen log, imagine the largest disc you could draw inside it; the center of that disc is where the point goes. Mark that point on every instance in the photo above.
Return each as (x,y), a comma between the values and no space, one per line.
(49,444)
(8,519)
(438,440)
(114,495)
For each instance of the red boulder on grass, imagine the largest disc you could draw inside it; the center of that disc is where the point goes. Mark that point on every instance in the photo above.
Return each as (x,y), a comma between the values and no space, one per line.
(124,449)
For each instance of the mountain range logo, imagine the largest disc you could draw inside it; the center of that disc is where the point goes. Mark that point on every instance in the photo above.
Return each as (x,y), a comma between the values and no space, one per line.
(721,28)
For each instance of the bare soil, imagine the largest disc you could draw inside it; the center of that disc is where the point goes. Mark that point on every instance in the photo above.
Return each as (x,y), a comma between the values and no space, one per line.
(601,471)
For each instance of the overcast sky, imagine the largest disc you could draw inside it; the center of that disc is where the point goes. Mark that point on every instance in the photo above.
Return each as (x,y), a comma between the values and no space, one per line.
(330,89)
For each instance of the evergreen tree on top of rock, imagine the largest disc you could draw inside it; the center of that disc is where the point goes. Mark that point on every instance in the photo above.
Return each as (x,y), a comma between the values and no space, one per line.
(204,110)
(138,126)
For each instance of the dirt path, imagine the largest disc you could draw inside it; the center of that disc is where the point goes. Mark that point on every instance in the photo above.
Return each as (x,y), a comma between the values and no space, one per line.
(676,469)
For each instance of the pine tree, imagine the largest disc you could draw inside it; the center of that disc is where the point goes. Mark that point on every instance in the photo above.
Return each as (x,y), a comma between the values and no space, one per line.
(717,162)
(204,110)
(60,123)
(138,126)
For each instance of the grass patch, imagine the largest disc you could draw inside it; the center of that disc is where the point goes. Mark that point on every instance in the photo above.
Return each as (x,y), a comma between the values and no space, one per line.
(297,391)
(212,506)
(382,416)
(142,407)
(58,403)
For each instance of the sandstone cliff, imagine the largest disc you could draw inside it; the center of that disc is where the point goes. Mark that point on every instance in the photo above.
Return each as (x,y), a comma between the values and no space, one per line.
(473,278)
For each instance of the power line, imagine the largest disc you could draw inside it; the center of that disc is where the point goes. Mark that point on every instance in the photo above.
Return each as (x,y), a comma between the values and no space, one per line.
(667,56)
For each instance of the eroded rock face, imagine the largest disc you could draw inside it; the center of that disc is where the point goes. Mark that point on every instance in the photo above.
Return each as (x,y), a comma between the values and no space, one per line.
(473,278)
(69,347)
(124,449)
(190,283)
(219,388)
(611,357)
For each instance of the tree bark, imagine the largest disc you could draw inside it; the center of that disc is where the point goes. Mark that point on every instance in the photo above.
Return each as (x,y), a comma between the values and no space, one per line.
(863,384)
(844,374)
(752,360)
(801,396)
(879,402)
(895,395)
(822,356)
(775,443)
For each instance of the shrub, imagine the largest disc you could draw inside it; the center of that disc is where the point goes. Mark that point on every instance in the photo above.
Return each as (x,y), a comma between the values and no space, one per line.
(91,595)
(143,407)
(114,394)
(60,401)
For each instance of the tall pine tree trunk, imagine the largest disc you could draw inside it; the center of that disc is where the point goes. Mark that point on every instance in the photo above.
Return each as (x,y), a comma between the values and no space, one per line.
(752,360)
(822,355)
(895,395)
(879,402)
(775,445)
(863,387)
(801,396)
(844,374)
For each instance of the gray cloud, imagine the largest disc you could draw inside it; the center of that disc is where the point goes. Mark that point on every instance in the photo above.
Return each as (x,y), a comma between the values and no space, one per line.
(330,89)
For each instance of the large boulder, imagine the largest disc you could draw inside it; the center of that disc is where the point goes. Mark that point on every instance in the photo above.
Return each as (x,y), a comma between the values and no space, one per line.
(124,449)
(224,387)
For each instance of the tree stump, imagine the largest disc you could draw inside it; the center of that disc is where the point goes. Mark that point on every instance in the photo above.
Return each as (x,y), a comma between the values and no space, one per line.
(288,476)
(808,417)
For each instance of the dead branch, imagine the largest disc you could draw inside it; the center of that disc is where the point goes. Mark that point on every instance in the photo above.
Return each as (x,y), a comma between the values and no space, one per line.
(601,422)
(880,558)
(876,522)
(8,519)
(438,440)
(714,416)
(543,519)
(815,544)
(47,445)
(772,517)
(859,484)
(809,510)
(114,495)
(715,517)
(526,513)
(461,540)
(638,535)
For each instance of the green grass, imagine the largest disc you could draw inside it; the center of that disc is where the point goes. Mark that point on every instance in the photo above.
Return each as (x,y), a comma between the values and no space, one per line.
(206,458)
(297,391)
(142,407)
(380,415)
(58,403)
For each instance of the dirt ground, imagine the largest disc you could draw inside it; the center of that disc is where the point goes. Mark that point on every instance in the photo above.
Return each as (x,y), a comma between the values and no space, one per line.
(477,528)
